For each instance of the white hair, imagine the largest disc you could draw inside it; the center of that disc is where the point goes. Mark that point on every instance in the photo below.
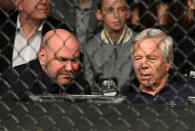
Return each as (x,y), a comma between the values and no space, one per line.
(166,43)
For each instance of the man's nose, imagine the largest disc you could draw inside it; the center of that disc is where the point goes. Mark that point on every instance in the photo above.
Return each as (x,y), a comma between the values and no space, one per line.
(68,66)
(115,14)
(145,64)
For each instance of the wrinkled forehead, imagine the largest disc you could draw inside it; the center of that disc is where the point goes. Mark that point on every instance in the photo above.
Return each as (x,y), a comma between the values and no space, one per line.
(28,2)
(67,52)
(148,45)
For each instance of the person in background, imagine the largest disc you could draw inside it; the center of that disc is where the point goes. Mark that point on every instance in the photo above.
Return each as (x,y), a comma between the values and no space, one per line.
(107,64)
(22,30)
(80,15)
(134,21)
(53,72)
(149,14)
(152,54)
(183,33)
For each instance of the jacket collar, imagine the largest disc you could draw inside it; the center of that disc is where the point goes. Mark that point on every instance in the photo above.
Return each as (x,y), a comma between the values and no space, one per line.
(126,36)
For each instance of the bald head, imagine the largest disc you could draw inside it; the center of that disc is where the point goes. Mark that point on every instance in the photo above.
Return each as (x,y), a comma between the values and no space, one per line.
(59,55)
(58,38)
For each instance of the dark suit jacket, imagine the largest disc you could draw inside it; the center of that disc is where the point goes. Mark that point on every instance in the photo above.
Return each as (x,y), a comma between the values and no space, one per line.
(8,31)
(66,8)
(23,80)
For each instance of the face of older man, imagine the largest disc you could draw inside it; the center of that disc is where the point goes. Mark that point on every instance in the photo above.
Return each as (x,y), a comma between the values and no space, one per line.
(60,57)
(35,9)
(149,65)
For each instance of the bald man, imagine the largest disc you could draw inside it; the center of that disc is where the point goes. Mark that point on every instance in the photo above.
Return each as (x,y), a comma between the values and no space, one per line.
(52,73)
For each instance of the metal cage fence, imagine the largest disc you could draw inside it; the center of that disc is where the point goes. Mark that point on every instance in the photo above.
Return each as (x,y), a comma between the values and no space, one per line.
(30,102)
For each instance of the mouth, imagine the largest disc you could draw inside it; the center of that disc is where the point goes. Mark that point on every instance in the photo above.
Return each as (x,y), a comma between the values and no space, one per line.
(66,75)
(116,23)
(145,76)
(43,10)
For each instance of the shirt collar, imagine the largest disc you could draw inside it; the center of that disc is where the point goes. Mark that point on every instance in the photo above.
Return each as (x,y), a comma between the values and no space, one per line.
(126,35)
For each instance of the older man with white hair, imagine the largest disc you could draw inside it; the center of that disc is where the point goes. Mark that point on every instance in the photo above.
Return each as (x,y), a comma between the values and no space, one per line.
(152,54)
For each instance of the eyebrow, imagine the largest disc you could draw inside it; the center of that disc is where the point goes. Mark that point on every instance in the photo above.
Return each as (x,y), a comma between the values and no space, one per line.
(147,56)
(61,57)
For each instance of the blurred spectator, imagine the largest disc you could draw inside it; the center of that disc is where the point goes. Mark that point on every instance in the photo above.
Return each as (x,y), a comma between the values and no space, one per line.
(149,13)
(133,22)
(81,16)
(156,13)
(54,72)
(161,13)
(152,54)
(180,25)
(133,7)
(22,29)
(107,62)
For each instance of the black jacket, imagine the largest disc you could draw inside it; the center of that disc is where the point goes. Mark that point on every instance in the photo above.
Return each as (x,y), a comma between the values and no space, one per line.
(27,79)
(175,92)
(8,32)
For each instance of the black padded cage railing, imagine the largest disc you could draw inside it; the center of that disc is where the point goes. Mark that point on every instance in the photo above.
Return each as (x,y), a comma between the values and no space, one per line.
(98,112)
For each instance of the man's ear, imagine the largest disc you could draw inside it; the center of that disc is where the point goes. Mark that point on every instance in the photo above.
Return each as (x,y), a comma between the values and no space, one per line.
(42,57)
(191,5)
(169,63)
(99,14)
(19,4)
(128,14)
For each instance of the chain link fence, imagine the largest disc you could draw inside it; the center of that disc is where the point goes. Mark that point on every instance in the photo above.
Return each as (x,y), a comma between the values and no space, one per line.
(50,91)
